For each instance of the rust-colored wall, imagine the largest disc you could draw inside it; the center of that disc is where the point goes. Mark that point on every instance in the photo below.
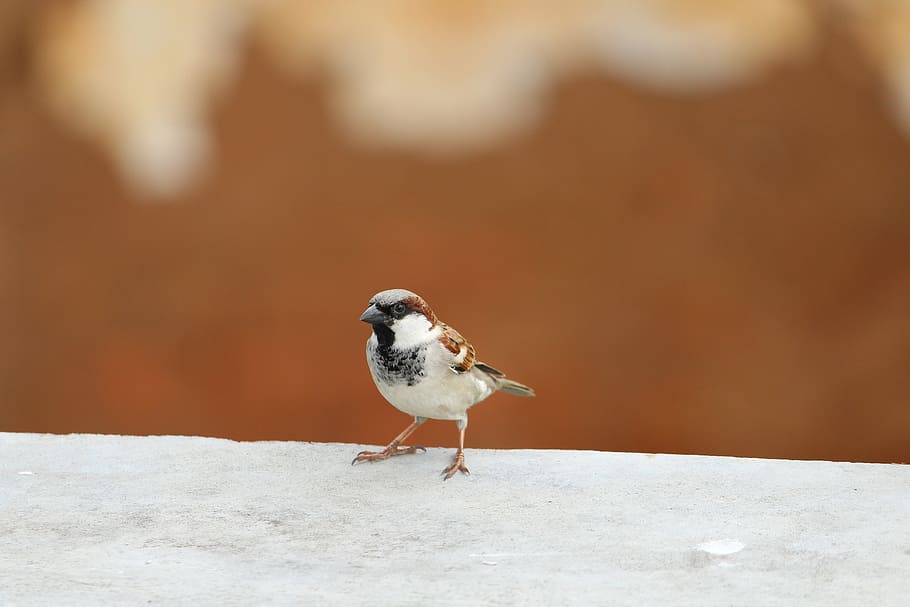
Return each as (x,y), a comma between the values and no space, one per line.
(727,274)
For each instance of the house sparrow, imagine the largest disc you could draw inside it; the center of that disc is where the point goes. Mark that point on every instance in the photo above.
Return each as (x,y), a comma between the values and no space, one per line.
(425,368)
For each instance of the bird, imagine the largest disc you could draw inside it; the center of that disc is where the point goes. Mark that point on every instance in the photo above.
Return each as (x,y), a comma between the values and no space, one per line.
(426,369)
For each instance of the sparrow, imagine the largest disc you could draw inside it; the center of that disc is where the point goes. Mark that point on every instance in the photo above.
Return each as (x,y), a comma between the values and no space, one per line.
(425,368)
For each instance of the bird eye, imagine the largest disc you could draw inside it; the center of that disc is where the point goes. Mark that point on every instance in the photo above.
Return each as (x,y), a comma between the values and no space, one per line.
(399,309)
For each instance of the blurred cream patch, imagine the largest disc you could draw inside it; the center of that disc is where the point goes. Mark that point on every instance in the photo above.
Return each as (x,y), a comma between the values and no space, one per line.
(453,75)
(438,76)
(138,75)
(883,29)
(687,45)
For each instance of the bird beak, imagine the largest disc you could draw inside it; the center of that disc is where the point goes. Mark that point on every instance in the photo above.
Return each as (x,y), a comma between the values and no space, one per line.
(374,316)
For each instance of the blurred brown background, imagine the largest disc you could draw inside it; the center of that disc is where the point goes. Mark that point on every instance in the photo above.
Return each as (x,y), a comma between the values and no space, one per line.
(721,268)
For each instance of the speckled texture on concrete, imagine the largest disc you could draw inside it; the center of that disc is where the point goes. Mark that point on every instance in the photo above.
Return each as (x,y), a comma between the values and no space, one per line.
(90,520)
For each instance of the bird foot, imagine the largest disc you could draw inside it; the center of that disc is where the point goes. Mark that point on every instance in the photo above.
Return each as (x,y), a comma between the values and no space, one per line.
(457,465)
(390,451)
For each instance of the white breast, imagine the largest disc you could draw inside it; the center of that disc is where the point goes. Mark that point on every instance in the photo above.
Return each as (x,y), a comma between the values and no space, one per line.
(441,394)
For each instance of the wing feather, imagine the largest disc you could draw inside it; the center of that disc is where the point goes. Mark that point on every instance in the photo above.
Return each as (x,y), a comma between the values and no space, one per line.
(462,352)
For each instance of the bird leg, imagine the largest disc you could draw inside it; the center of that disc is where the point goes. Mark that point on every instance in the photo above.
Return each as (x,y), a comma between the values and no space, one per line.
(458,462)
(392,448)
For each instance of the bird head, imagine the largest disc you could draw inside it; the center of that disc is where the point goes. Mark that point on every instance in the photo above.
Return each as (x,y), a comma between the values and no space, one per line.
(400,317)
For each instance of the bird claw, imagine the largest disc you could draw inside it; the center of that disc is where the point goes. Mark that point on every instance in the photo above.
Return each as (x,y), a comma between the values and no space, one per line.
(457,466)
(390,451)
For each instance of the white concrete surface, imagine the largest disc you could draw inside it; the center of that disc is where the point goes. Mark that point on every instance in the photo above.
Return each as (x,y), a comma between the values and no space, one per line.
(108,520)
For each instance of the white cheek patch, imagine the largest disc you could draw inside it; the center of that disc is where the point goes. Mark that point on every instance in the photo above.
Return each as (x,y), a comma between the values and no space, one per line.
(412,330)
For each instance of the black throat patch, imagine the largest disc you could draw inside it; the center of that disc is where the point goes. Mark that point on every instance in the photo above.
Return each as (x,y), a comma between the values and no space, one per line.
(394,366)
(385,335)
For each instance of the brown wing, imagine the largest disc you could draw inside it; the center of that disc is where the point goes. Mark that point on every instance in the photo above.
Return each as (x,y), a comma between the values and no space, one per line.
(463,352)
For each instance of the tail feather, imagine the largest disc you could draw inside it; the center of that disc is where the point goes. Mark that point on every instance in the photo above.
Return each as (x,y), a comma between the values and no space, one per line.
(513,387)
(506,385)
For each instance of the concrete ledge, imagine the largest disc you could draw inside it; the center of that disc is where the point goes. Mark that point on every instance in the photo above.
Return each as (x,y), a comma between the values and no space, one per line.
(90,519)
